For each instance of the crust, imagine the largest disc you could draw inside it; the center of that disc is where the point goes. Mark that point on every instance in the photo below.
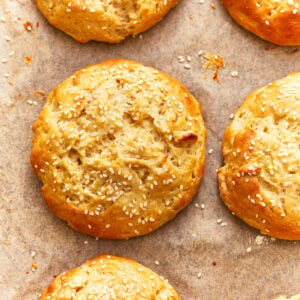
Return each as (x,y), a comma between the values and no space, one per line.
(296,297)
(112,278)
(108,22)
(274,21)
(260,180)
(164,199)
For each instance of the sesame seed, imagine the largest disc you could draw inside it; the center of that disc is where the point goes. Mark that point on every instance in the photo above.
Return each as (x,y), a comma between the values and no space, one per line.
(234,74)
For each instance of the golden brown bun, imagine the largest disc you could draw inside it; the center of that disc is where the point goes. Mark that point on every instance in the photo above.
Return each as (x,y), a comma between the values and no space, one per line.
(110,278)
(104,20)
(120,149)
(277,21)
(297,297)
(260,181)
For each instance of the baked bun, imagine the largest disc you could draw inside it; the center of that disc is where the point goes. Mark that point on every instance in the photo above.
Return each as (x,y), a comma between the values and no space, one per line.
(103,20)
(260,181)
(110,277)
(120,149)
(277,21)
(297,297)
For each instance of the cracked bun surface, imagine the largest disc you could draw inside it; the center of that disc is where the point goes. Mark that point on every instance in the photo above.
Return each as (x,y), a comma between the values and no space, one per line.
(260,181)
(120,149)
(104,20)
(110,277)
(277,21)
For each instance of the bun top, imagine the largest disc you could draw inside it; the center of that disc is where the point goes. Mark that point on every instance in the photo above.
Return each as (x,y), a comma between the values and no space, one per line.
(272,20)
(104,20)
(119,148)
(110,278)
(260,181)
(296,297)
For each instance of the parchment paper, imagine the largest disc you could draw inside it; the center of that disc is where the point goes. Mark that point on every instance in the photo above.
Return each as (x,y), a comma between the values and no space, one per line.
(194,242)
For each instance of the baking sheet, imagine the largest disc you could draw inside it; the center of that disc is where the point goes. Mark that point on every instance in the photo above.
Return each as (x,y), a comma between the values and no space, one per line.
(234,261)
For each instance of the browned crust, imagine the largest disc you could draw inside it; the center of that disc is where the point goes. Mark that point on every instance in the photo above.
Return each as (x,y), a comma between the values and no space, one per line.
(118,229)
(103,27)
(278,23)
(115,264)
(261,215)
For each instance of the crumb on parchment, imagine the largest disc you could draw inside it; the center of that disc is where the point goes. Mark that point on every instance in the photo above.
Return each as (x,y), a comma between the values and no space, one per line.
(213,61)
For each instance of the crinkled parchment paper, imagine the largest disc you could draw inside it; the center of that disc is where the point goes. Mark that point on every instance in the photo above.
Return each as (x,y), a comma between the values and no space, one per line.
(234,262)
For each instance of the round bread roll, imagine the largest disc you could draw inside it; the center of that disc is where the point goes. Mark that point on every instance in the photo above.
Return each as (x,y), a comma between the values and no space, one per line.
(110,277)
(277,21)
(297,297)
(104,20)
(260,182)
(120,149)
